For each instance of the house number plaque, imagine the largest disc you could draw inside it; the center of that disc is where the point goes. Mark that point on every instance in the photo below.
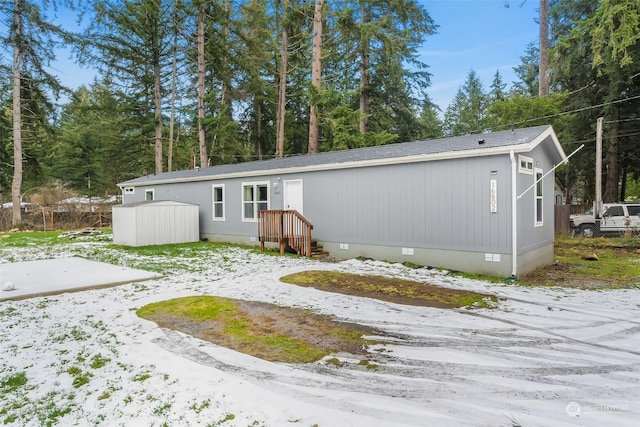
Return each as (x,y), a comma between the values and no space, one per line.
(494,196)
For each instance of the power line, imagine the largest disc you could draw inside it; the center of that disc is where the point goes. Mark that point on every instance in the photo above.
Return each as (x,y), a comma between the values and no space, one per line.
(577,110)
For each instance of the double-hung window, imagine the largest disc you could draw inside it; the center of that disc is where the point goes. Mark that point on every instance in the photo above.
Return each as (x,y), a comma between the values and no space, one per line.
(255,197)
(538,196)
(218,202)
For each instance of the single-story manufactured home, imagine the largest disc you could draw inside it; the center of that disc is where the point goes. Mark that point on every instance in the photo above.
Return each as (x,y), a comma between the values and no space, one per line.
(474,203)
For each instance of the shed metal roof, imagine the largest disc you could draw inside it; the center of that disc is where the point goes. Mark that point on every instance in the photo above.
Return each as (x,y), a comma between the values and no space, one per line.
(518,140)
(154,203)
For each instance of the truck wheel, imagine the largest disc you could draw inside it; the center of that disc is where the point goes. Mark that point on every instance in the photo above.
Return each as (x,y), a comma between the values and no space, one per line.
(587,230)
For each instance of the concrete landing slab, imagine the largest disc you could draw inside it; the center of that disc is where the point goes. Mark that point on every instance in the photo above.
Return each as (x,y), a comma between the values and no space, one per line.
(56,276)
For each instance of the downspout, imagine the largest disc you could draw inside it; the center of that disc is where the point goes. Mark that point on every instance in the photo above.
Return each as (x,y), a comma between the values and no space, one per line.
(514,216)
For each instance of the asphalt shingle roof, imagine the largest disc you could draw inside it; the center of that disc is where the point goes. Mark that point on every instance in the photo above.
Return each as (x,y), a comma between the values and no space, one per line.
(432,146)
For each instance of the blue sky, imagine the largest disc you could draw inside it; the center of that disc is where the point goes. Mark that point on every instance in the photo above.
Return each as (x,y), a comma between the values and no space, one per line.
(479,35)
(482,35)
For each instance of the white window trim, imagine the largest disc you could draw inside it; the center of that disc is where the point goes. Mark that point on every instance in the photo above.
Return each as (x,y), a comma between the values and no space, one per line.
(528,161)
(213,203)
(129,190)
(537,223)
(255,206)
(149,191)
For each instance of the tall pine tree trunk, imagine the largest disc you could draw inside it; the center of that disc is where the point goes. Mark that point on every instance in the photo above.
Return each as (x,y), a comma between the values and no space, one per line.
(225,96)
(157,99)
(174,84)
(316,76)
(16,185)
(364,71)
(258,109)
(282,87)
(543,70)
(204,158)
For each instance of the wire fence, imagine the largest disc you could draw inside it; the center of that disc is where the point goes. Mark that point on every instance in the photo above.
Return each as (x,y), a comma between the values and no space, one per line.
(45,220)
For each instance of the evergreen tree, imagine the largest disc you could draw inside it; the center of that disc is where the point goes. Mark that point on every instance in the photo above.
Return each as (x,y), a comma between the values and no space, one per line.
(379,41)
(430,123)
(32,38)
(497,92)
(527,72)
(591,60)
(134,49)
(467,113)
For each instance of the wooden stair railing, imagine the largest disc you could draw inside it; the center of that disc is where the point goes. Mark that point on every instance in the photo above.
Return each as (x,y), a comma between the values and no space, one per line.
(285,227)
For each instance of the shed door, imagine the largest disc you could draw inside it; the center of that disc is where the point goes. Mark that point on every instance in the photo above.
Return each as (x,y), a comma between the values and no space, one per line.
(293,195)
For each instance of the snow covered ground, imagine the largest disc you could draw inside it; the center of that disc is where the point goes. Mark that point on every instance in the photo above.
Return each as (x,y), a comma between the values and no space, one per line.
(544,357)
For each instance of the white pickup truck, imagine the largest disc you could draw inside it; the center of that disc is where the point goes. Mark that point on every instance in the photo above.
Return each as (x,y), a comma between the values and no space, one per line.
(616,218)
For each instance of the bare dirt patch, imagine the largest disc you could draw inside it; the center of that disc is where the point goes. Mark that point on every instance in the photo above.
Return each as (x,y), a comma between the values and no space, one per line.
(271,332)
(293,335)
(394,290)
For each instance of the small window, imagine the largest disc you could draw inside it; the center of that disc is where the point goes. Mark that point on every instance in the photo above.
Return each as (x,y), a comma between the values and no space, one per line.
(634,210)
(218,202)
(539,198)
(255,197)
(148,195)
(129,190)
(525,164)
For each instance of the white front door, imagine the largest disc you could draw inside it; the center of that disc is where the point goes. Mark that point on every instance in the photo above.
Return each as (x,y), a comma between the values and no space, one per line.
(293,195)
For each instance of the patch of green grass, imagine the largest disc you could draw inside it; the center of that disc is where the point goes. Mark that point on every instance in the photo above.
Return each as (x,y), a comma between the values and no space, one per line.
(49,412)
(410,264)
(196,308)
(181,250)
(162,409)
(10,311)
(199,408)
(31,238)
(141,377)
(228,417)
(80,377)
(98,361)
(257,342)
(78,334)
(370,366)
(333,361)
(618,264)
(390,289)
(13,382)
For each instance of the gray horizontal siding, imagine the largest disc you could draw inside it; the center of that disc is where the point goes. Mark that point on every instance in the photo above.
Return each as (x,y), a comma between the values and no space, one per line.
(442,204)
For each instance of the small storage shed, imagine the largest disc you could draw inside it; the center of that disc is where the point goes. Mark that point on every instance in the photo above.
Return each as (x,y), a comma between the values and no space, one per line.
(155,222)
